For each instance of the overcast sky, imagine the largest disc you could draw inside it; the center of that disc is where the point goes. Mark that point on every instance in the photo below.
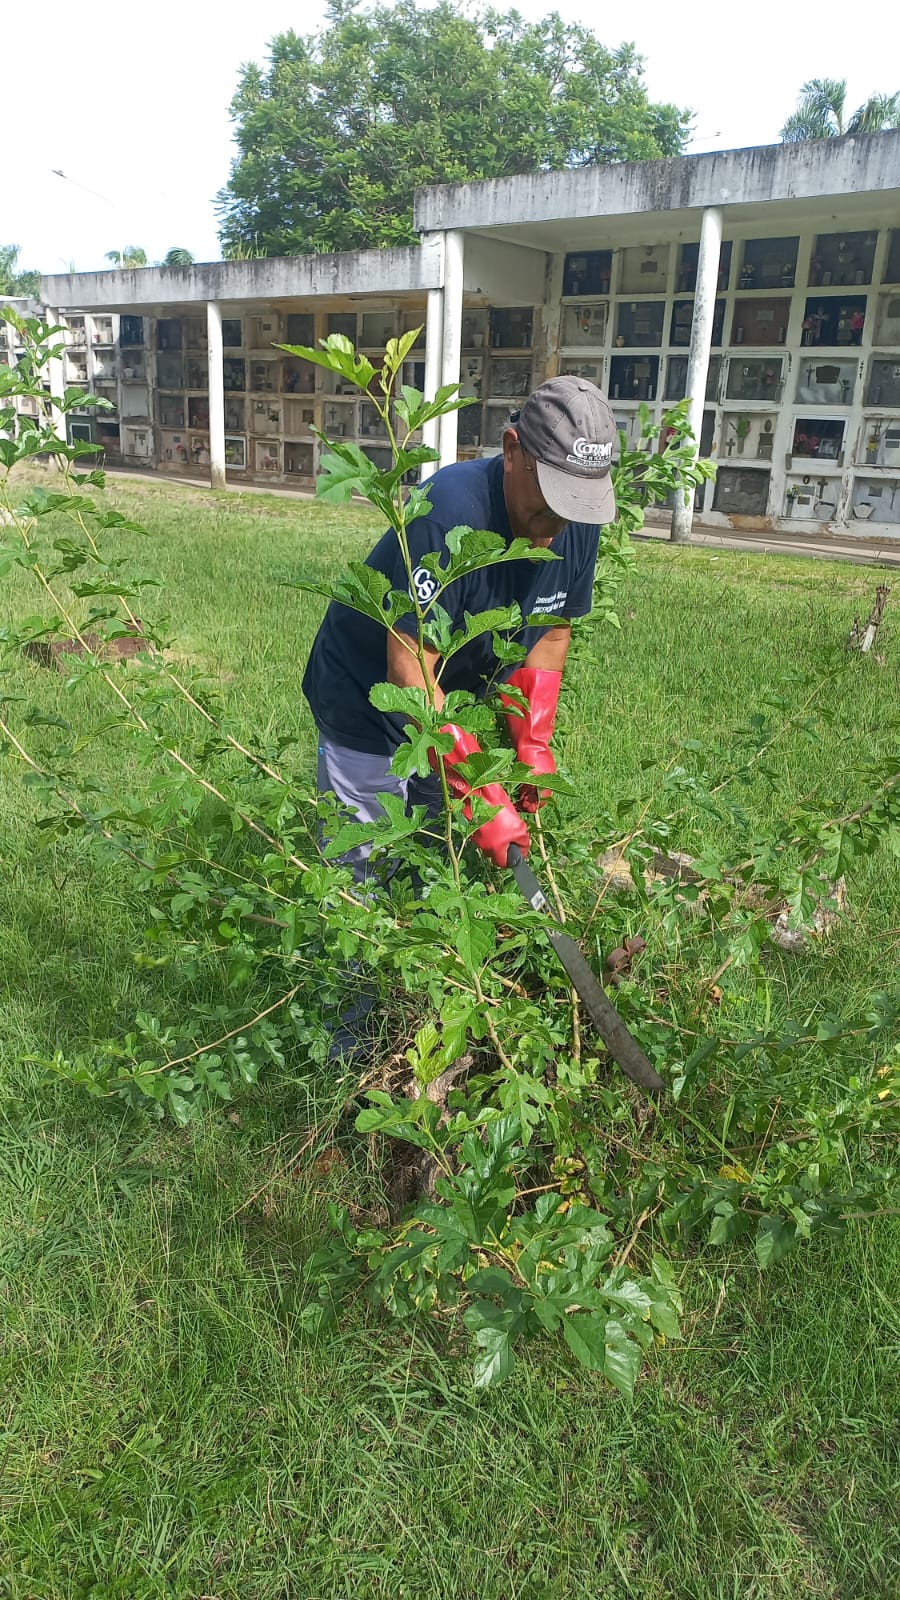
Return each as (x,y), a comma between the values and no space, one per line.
(132,102)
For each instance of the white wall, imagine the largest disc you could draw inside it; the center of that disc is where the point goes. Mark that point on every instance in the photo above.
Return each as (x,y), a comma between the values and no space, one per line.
(507,274)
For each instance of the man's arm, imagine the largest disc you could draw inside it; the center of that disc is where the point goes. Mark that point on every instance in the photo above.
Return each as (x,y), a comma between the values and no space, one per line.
(506,826)
(403,666)
(531,725)
(549,654)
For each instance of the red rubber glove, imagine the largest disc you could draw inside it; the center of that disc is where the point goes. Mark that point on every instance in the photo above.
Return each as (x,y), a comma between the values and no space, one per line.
(532,729)
(503,829)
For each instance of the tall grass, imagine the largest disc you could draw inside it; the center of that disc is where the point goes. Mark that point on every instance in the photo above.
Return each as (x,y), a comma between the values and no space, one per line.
(166,1432)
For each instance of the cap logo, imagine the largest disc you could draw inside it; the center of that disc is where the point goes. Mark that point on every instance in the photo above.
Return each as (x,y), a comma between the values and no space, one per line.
(585,454)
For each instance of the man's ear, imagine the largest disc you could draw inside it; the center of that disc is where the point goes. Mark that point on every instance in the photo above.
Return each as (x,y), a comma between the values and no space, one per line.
(510,446)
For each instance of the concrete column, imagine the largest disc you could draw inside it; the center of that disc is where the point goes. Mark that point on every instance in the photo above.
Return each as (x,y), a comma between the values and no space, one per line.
(698,360)
(550,317)
(12,361)
(434,333)
(150,321)
(90,362)
(216,395)
(10,336)
(57,380)
(90,366)
(454,253)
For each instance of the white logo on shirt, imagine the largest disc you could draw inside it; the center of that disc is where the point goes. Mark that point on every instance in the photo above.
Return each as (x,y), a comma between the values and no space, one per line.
(551,602)
(586,454)
(426,586)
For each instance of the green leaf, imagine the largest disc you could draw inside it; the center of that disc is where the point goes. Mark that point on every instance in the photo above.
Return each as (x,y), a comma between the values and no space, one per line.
(181,1107)
(405,461)
(474,549)
(491,1280)
(415,410)
(399,1120)
(437,629)
(349,836)
(664,1316)
(314,1319)
(406,699)
(728,1223)
(585,1334)
(426,1057)
(410,406)
(397,350)
(507,651)
(344,471)
(526,1098)
(507,617)
(415,755)
(622,1359)
(495,1360)
(476,937)
(418,502)
(365,589)
(337,355)
(627,1295)
(830,1028)
(774,1237)
(396,824)
(79,400)
(554,782)
(459,1015)
(684,1074)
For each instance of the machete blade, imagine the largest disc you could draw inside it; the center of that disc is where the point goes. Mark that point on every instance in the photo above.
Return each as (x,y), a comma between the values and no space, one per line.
(621,1044)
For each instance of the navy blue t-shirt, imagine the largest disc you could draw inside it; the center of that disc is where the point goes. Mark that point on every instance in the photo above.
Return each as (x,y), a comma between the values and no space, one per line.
(349,654)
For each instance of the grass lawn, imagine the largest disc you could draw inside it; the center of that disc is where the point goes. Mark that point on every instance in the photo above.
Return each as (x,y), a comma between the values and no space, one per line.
(163,1429)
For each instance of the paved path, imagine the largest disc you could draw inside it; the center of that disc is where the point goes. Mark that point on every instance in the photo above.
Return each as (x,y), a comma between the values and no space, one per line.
(821,546)
(861,549)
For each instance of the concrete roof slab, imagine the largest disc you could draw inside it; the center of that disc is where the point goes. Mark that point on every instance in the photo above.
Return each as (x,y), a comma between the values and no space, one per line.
(408,270)
(854,165)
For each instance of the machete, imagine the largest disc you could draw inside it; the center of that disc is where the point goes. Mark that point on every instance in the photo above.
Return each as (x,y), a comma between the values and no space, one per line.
(623,1048)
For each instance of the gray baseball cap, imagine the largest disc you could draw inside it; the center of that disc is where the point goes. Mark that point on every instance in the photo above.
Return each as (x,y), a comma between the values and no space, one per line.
(566,424)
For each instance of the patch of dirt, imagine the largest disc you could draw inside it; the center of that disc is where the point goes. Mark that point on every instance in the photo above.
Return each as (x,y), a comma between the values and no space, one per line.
(54,652)
(680,868)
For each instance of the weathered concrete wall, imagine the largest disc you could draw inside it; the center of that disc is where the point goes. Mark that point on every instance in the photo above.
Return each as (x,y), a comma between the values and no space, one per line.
(21,304)
(506,274)
(868,162)
(273,278)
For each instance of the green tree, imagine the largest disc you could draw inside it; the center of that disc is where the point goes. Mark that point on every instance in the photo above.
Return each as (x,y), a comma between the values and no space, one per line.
(178,257)
(11,280)
(131,256)
(821,112)
(338,129)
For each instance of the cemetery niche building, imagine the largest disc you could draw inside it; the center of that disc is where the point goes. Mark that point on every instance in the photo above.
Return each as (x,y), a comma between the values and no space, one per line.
(761,284)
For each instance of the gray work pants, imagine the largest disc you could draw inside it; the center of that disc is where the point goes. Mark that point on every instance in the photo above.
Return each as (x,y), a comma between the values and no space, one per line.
(356,778)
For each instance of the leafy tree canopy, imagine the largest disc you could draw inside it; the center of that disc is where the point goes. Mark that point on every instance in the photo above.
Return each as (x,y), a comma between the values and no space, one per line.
(177,257)
(339,128)
(11,280)
(821,112)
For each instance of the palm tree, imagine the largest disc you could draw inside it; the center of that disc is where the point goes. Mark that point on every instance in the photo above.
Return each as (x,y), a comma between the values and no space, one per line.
(820,113)
(132,256)
(177,257)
